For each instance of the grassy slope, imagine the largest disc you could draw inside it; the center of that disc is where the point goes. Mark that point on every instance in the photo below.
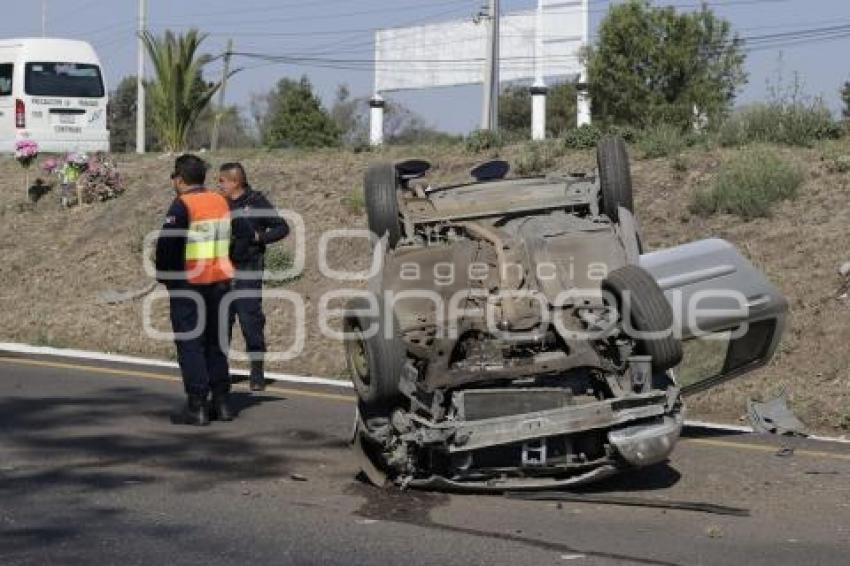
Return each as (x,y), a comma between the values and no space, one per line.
(55,262)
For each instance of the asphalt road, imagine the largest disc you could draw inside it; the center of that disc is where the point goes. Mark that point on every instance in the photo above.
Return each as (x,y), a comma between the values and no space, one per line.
(92,472)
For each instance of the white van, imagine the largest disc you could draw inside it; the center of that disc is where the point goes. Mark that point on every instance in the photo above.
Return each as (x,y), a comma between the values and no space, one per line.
(52,91)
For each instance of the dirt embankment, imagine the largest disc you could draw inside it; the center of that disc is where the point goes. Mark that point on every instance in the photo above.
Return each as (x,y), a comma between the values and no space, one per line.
(56,262)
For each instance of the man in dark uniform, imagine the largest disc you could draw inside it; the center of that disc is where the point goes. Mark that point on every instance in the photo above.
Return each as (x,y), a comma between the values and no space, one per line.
(192,260)
(256,223)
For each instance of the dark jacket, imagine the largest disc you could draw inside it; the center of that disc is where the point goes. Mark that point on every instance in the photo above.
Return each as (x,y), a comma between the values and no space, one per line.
(255,224)
(171,249)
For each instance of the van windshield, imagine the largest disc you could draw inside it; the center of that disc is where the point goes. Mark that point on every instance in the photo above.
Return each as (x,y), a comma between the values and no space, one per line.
(6,79)
(72,80)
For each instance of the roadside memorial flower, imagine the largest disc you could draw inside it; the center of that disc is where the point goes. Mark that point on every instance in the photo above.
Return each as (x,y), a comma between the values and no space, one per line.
(74,166)
(101,181)
(26,151)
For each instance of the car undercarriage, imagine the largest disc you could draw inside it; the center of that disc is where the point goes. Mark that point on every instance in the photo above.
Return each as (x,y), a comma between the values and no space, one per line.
(518,336)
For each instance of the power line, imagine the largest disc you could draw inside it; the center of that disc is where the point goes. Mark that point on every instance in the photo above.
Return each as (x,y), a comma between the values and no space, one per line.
(317,17)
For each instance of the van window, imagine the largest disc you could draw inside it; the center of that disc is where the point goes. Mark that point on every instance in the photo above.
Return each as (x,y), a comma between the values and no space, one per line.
(72,80)
(6,78)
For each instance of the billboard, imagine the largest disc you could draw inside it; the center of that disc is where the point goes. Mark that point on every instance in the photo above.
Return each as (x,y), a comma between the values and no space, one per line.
(453,53)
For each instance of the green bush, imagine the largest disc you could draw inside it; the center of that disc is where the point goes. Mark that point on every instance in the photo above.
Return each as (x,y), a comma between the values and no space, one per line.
(584,137)
(661,141)
(355,201)
(278,260)
(679,164)
(483,140)
(587,136)
(749,185)
(793,123)
(535,158)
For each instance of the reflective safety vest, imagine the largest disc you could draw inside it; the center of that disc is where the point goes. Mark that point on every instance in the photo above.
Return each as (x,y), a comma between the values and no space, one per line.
(208,241)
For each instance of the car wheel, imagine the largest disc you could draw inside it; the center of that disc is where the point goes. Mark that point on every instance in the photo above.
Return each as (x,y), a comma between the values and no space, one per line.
(381,192)
(375,359)
(615,177)
(639,296)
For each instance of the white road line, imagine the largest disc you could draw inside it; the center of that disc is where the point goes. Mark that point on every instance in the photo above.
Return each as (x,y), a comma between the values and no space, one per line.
(137,361)
(288,378)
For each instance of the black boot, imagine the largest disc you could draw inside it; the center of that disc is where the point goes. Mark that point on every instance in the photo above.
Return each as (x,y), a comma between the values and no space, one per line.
(220,407)
(258,378)
(195,412)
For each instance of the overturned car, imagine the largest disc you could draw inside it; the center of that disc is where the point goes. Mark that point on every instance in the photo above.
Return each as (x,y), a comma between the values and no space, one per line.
(518,336)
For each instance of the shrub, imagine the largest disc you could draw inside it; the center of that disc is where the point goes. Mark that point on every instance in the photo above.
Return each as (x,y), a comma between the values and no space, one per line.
(661,141)
(794,123)
(587,136)
(839,164)
(749,185)
(535,158)
(355,201)
(679,164)
(278,260)
(584,137)
(483,140)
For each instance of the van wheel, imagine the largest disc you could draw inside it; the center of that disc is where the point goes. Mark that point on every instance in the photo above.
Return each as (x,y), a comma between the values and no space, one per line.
(375,360)
(381,192)
(615,177)
(639,297)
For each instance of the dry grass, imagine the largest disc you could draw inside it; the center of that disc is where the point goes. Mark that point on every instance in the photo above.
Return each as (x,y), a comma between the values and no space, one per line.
(56,262)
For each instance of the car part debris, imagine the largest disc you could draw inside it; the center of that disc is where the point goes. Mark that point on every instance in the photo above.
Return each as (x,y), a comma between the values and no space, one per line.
(518,336)
(631,502)
(775,417)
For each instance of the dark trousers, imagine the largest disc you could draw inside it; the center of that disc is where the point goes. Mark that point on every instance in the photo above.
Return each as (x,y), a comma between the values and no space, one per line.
(203,363)
(249,310)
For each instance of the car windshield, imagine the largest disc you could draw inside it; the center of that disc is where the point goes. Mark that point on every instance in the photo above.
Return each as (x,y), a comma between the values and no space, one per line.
(74,80)
(6,79)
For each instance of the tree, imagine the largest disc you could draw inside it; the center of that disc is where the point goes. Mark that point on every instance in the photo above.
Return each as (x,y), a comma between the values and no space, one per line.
(351,116)
(233,130)
(654,65)
(122,118)
(294,117)
(402,126)
(179,94)
(845,98)
(515,109)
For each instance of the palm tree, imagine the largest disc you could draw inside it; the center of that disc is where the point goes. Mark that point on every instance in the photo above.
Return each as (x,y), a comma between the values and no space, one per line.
(179,94)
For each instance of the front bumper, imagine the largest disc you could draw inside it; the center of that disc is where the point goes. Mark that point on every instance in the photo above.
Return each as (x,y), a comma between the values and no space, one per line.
(638,445)
(600,415)
(646,444)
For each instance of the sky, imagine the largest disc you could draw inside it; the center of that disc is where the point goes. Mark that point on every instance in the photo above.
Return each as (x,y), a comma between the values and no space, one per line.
(344,29)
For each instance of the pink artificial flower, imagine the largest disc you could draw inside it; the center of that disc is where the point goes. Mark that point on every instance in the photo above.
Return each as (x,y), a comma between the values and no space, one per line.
(50,165)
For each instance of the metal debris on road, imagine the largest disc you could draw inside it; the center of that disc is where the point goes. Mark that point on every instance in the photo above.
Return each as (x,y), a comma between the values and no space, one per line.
(628,502)
(775,417)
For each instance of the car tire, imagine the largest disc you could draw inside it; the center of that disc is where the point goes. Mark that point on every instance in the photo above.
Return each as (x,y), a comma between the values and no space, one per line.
(615,177)
(649,311)
(381,192)
(375,362)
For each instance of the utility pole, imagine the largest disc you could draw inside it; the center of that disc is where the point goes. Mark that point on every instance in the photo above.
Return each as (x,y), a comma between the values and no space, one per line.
(538,89)
(225,73)
(583,106)
(140,80)
(490,111)
(43,18)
